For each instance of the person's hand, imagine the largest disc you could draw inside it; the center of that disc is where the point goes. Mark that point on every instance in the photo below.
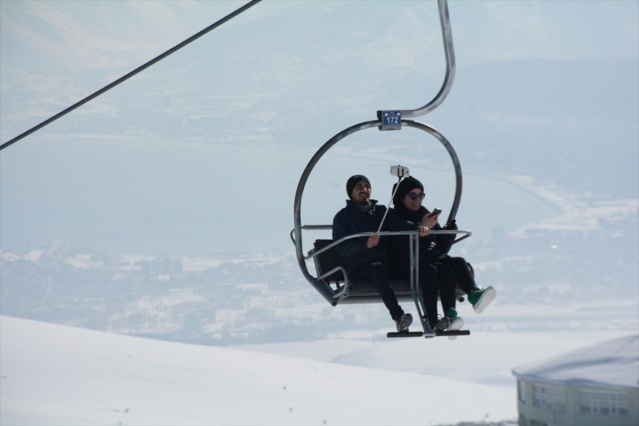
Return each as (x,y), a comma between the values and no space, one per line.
(430,220)
(372,241)
(424,231)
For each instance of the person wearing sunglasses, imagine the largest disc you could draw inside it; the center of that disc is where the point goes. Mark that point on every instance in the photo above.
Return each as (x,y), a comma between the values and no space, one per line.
(365,258)
(433,251)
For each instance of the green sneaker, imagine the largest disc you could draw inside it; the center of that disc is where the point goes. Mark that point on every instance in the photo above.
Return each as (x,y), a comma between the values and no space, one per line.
(480,299)
(451,313)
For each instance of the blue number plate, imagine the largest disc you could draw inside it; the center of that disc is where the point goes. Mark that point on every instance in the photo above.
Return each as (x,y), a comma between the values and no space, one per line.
(391,120)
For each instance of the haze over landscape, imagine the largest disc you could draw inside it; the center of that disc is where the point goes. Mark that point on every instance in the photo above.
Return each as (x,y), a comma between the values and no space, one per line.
(162,209)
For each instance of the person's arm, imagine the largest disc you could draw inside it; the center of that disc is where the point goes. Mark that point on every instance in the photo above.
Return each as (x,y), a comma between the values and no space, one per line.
(395,223)
(351,247)
(424,227)
(445,241)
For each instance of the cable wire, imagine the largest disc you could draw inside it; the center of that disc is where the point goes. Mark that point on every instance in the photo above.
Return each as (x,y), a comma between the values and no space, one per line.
(131,74)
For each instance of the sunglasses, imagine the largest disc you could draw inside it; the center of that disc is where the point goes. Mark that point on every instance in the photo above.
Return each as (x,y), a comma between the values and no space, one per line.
(416,197)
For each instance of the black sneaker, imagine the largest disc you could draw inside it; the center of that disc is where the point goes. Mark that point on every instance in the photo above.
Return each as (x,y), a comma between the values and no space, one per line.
(404,322)
(442,324)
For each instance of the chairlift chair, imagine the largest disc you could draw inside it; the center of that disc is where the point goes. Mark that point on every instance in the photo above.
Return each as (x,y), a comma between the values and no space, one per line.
(331,278)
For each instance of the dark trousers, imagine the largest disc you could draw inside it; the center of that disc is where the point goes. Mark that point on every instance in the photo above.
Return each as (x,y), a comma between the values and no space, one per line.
(453,271)
(427,284)
(378,273)
(429,287)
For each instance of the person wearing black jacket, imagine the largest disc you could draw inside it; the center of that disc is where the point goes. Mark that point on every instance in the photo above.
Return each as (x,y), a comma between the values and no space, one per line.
(365,258)
(433,250)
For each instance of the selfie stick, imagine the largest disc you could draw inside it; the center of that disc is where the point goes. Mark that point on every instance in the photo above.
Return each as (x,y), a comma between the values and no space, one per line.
(402,172)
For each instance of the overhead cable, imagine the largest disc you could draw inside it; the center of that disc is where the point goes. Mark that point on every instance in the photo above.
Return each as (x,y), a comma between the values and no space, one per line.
(131,74)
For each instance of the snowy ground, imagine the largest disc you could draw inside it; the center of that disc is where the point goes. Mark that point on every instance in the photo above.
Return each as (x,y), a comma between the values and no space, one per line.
(53,375)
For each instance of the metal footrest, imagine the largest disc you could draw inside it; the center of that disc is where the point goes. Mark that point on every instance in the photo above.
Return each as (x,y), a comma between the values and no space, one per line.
(421,333)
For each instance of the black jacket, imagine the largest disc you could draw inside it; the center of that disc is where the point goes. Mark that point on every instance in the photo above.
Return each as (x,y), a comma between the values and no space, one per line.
(354,219)
(431,248)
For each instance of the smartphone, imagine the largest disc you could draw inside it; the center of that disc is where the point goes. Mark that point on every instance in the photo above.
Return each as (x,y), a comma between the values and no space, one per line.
(435,212)
(400,171)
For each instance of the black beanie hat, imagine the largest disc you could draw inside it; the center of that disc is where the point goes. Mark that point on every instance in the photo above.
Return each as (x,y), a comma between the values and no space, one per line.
(405,186)
(353,181)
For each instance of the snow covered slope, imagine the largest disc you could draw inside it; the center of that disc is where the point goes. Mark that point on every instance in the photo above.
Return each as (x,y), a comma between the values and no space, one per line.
(54,375)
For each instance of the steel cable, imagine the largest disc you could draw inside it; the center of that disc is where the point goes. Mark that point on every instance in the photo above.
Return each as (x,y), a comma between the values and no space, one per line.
(131,74)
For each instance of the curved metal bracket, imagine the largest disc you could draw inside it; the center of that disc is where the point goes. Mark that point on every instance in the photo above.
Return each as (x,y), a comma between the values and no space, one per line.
(297,216)
(447,36)
(297,230)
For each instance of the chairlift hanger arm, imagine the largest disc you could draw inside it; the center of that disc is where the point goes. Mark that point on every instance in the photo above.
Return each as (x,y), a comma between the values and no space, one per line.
(447,37)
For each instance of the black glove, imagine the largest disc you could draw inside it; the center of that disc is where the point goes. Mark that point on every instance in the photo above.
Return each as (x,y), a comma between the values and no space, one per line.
(452,225)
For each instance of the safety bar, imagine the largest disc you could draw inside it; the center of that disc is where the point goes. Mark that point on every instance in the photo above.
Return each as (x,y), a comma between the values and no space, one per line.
(465,234)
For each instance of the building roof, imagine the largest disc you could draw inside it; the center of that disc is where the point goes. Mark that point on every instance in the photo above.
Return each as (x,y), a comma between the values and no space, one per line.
(610,363)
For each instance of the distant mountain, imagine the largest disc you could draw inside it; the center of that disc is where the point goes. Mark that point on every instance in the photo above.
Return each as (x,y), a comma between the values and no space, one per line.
(282,76)
(201,154)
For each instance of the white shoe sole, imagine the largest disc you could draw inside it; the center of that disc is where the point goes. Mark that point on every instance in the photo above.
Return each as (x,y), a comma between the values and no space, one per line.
(486,299)
(455,324)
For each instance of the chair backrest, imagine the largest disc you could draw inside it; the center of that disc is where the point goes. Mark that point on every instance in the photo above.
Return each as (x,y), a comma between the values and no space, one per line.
(327,260)
(352,292)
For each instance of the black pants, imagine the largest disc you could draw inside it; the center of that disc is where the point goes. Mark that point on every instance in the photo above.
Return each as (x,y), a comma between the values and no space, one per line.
(453,271)
(429,287)
(427,284)
(378,273)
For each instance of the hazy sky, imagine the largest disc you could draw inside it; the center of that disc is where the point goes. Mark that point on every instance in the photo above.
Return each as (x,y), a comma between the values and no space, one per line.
(130,165)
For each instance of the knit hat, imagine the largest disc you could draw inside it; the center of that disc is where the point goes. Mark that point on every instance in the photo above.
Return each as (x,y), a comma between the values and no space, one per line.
(405,186)
(353,181)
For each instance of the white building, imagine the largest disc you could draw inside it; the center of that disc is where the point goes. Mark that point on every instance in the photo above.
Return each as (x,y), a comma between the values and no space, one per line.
(594,386)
